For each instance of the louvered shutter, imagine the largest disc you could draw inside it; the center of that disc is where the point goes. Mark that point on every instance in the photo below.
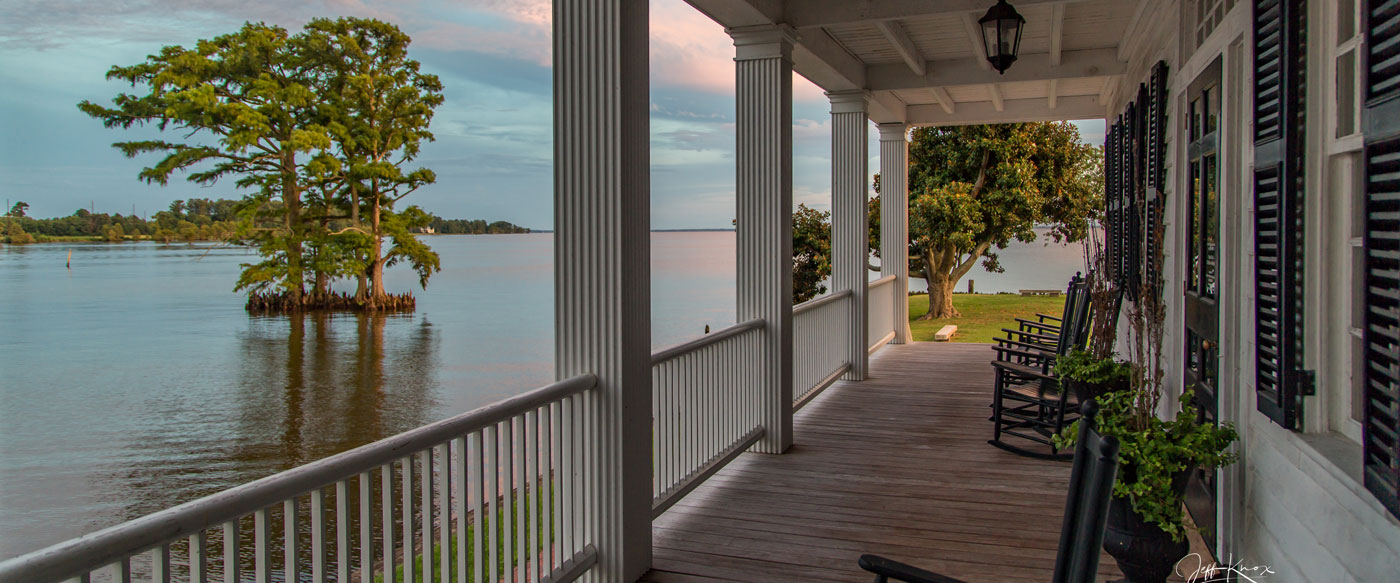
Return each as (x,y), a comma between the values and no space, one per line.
(1381,336)
(1112,202)
(1156,163)
(1278,163)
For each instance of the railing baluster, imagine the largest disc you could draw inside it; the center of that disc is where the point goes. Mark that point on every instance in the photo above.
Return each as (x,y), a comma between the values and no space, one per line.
(566,482)
(232,566)
(478,490)
(318,531)
(262,545)
(458,452)
(291,570)
(386,523)
(556,492)
(408,526)
(532,489)
(506,511)
(121,571)
(444,514)
(521,553)
(199,569)
(492,504)
(425,480)
(366,533)
(160,564)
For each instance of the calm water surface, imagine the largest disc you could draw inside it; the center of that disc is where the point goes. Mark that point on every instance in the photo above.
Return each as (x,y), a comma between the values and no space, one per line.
(135,381)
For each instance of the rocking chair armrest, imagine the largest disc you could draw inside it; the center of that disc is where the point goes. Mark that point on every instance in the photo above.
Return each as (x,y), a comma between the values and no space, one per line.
(1034,353)
(1048,339)
(885,569)
(1043,350)
(1032,324)
(1044,317)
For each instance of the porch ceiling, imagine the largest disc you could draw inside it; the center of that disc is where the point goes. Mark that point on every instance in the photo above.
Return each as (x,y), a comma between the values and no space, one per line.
(922,60)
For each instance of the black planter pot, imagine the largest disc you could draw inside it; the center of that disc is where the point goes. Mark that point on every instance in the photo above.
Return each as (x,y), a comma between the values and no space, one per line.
(1085,391)
(1145,553)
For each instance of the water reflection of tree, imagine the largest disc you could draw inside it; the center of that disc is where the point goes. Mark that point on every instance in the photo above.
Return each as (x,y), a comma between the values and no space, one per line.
(303,394)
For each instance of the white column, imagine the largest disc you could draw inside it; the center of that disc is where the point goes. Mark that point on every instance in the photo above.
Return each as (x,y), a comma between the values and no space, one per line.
(894,221)
(602,250)
(763,65)
(850,237)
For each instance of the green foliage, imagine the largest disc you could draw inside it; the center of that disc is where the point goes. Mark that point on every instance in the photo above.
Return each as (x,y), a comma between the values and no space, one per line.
(16,235)
(1151,456)
(811,252)
(443,226)
(317,127)
(975,189)
(17,211)
(1082,366)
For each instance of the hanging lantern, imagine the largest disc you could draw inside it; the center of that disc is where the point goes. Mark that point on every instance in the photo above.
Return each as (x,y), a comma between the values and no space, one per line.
(1001,35)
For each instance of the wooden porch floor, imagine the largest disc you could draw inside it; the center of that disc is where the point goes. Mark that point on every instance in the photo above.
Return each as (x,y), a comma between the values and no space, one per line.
(896,465)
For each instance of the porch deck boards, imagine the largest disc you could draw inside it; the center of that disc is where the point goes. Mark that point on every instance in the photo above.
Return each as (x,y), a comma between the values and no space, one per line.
(896,465)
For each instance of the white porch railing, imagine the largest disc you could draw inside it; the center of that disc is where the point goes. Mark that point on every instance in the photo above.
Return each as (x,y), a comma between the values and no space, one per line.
(882,294)
(704,408)
(496,494)
(378,509)
(820,336)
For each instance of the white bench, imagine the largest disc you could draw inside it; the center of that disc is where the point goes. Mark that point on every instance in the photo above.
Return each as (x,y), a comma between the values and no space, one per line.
(945,333)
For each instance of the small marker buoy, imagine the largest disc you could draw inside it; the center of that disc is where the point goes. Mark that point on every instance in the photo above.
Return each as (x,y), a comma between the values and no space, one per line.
(69,263)
(707,328)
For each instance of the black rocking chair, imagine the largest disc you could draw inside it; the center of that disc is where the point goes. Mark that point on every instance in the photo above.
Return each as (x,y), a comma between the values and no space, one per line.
(1086,514)
(1028,401)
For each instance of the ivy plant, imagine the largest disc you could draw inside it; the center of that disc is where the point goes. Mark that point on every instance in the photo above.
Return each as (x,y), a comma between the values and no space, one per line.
(1150,456)
(1084,367)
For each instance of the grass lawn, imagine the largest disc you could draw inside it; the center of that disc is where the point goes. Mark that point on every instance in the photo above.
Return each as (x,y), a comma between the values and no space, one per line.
(983,315)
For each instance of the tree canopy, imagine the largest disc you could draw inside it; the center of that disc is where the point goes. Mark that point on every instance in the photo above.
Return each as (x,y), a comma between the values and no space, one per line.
(316,127)
(975,189)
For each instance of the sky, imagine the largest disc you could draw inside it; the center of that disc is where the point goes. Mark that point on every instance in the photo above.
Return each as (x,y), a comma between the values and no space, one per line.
(493,149)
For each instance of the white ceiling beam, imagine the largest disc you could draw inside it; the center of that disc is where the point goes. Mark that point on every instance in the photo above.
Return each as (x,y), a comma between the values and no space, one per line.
(903,45)
(1033,67)
(994,91)
(1110,86)
(1128,37)
(885,107)
(813,13)
(974,36)
(819,58)
(1057,33)
(944,99)
(1052,93)
(1015,110)
(735,13)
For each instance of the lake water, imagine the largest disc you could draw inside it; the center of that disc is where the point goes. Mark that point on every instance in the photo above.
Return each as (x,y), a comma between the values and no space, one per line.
(136,381)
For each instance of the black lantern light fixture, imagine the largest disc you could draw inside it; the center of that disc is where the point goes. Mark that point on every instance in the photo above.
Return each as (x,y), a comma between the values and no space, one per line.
(1001,35)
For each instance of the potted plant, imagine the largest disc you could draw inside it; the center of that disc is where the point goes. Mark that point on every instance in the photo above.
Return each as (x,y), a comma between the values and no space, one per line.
(1095,370)
(1147,524)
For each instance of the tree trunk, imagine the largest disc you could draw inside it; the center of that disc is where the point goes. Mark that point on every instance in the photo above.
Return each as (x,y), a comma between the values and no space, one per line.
(940,298)
(291,198)
(361,281)
(376,262)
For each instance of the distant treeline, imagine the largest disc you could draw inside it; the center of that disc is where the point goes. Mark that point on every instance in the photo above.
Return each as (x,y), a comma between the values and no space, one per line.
(443,226)
(195,219)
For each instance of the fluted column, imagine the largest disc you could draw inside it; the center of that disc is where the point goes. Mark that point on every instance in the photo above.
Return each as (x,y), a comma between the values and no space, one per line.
(894,221)
(850,239)
(602,250)
(763,64)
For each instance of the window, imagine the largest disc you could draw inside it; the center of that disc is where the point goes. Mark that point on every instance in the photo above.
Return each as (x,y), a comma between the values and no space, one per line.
(1209,14)
(1345,56)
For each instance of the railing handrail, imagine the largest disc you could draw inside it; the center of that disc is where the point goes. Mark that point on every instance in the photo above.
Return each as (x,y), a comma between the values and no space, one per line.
(815,303)
(73,557)
(703,341)
(879,282)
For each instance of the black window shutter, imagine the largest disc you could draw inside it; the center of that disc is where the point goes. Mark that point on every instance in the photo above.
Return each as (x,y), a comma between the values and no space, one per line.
(1156,162)
(1381,335)
(1112,202)
(1278,188)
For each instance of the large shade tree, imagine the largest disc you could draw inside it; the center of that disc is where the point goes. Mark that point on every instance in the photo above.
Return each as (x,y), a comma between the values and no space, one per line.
(316,127)
(975,189)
